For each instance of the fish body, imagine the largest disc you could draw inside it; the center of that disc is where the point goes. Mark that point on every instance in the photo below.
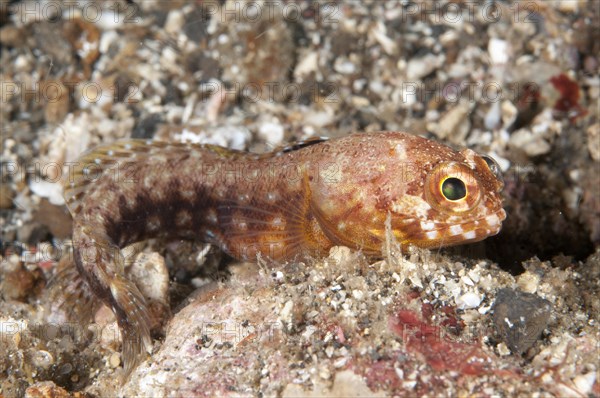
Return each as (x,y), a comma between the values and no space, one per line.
(299,201)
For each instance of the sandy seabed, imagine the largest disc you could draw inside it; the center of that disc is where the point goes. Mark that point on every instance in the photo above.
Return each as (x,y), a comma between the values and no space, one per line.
(518,81)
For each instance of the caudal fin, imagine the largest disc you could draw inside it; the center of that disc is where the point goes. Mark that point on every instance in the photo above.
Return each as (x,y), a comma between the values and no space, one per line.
(134,321)
(101,265)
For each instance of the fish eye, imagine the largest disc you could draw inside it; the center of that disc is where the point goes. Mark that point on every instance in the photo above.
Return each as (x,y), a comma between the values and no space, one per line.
(453,189)
(493,166)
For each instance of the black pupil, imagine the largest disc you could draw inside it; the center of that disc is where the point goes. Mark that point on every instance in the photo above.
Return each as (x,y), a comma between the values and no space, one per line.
(454,189)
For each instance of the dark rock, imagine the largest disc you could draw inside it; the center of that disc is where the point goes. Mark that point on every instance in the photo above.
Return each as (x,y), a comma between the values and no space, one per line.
(520,318)
(343,42)
(199,61)
(146,127)
(50,41)
(196,24)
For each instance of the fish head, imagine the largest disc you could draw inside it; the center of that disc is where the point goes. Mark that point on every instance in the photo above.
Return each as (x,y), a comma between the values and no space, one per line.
(433,195)
(458,202)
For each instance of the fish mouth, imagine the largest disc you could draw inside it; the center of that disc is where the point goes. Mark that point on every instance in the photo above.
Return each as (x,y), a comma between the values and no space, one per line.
(456,234)
(425,234)
(470,231)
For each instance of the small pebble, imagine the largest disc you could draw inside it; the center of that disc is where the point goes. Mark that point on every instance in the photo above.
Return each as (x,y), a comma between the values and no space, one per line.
(151,275)
(286,313)
(114,360)
(528,282)
(585,382)
(499,51)
(418,68)
(358,294)
(593,140)
(43,359)
(468,300)
(51,190)
(272,133)
(529,142)
(454,125)
(174,22)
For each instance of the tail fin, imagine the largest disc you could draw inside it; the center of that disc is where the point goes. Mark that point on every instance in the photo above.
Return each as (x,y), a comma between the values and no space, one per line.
(101,265)
(134,321)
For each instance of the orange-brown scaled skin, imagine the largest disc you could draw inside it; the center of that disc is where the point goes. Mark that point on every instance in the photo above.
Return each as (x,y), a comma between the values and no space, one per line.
(278,205)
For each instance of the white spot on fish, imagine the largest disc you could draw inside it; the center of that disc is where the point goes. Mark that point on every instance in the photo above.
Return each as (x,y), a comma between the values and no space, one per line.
(149,182)
(239,222)
(211,216)
(432,234)
(400,151)
(158,195)
(153,224)
(188,194)
(110,152)
(427,225)
(271,196)
(492,221)
(243,198)
(183,218)
(278,222)
(470,235)
(456,230)
(220,192)
(412,204)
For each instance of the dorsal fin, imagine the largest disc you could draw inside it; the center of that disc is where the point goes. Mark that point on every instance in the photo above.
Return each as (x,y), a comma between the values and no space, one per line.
(300,144)
(91,165)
